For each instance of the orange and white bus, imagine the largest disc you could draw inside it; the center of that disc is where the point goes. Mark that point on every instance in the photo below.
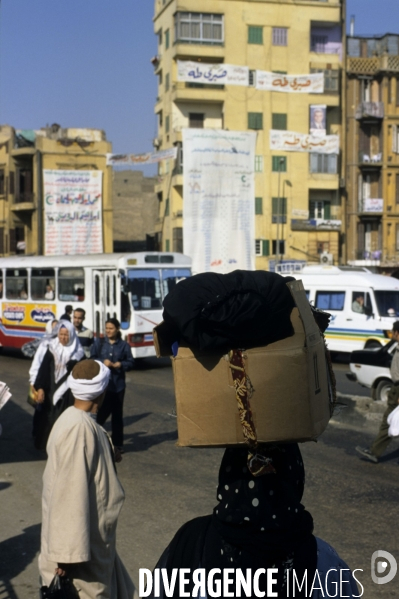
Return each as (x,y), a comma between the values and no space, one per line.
(129,287)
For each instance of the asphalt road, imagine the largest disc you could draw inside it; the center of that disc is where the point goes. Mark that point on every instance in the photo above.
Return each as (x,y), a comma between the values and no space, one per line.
(353,503)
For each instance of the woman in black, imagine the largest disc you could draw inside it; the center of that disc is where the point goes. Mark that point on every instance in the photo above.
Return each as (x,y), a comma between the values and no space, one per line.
(117,355)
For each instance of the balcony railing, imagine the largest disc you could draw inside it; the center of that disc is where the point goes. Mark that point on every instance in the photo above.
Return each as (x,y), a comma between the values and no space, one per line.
(370,160)
(369,255)
(315,224)
(367,110)
(26,196)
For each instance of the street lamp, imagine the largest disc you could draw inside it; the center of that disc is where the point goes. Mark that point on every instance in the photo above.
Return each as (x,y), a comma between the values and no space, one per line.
(282,220)
(280,163)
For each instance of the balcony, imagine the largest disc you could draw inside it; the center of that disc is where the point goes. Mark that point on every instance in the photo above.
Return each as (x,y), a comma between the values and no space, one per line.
(370,161)
(370,110)
(372,65)
(315,224)
(371,206)
(212,94)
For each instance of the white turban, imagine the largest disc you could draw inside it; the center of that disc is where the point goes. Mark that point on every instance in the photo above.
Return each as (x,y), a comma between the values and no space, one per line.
(90,389)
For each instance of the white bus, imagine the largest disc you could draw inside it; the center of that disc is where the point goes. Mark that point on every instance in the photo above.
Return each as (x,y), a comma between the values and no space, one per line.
(363,305)
(129,287)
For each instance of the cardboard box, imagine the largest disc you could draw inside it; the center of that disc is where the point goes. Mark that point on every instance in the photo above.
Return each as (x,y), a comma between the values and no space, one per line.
(291,400)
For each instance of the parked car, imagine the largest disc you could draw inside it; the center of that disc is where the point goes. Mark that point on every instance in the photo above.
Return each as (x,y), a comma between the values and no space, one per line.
(371,368)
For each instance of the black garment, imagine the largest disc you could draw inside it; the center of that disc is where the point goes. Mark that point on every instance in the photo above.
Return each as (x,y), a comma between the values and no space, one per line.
(242,309)
(47,413)
(258,523)
(66,317)
(113,405)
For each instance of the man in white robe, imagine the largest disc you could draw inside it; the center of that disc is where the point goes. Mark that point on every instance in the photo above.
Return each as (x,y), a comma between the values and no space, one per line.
(82,496)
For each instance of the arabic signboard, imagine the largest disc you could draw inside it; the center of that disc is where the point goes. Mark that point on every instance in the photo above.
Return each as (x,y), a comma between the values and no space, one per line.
(27,314)
(219,199)
(290,141)
(373,205)
(318,119)
(214,74)
(305,84)
(73,212)
(134,159)
(314,224)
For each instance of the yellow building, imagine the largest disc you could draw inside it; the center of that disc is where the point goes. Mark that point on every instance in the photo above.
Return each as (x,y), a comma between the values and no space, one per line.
(372,151)
(24,154)
(298,194)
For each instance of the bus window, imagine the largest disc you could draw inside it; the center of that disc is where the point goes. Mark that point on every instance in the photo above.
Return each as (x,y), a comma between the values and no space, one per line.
(114,290)
(71,284)
(171,276)
(387,302)
(107,290)
(361,303)
(96,290)
(330,300)
(16,283)
(145,287)
(126,311)
(42,284)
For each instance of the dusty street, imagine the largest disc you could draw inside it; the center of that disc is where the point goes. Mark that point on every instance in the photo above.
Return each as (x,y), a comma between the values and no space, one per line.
(354,503)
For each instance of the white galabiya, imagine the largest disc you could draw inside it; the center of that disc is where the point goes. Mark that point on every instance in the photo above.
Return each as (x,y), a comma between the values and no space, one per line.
(82,496)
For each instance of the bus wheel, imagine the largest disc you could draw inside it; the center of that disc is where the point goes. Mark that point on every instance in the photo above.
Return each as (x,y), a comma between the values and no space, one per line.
(373,345)
(382,390)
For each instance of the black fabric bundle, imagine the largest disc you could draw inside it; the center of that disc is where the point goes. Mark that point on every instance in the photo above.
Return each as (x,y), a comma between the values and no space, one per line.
(239,310)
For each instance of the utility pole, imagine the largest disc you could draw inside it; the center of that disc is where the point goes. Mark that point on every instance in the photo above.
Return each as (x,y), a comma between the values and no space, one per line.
(280,163)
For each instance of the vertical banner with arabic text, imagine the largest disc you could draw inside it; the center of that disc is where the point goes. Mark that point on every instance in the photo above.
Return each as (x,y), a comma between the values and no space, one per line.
(73,212)
(219,199)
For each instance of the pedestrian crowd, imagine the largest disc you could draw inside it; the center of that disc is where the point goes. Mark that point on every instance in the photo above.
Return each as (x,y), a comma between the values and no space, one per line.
(78,382)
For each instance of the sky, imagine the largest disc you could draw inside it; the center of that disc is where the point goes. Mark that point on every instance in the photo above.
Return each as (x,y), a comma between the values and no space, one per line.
(86,63)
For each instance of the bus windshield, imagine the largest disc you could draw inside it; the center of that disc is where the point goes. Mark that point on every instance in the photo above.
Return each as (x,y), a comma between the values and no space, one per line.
(387,302)
(171,276)
(145,287)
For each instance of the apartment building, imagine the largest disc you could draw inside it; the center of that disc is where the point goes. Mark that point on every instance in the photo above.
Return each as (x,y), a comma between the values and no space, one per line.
(372,151)
(298,194)
(24,155)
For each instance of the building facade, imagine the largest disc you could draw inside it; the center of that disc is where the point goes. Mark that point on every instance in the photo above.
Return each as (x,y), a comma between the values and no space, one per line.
(372,170)
(298,195)
(135,211)
(24,155)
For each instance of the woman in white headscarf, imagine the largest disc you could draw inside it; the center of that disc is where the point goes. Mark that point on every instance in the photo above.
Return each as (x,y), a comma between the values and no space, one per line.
(53,395)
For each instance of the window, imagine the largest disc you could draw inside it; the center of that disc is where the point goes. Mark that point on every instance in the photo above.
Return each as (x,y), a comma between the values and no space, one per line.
(167,124)
(320,209)
(258,164)
(262,247)
(279,210)
(42,284)
(279,36)
(397,189)
(395,139)
(331,79)
(171,277)
(166,207)
(330,300)
(196,120)
(361,303)
(199,28)
(252,78)
(160,38)
(16,285)
(387,302)
(145,288)
(279,121)
(167,79)
(1,283)
(255,120)
(279,164)
(325,39)
(323,163)
(11,182)
(396,238)
(255,34)
(258,205)
(2,182)
(167,245)
(178,239)
(71,284)
(281,247)
(167,39)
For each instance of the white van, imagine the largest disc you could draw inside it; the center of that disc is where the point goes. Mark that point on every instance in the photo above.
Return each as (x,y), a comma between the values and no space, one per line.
(363,305)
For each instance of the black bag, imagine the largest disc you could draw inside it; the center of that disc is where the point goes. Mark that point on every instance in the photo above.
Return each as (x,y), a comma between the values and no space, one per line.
(60,588)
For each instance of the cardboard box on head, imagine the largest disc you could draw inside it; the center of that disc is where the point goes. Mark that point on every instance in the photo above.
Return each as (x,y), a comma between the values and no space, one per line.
(292,395)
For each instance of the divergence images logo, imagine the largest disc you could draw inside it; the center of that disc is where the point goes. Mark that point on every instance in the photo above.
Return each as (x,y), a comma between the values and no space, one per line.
(379,564)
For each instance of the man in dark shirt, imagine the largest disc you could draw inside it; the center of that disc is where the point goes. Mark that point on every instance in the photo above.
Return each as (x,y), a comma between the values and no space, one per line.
(67,314)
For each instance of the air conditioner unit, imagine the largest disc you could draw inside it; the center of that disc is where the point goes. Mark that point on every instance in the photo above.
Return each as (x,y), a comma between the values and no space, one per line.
(156,142)
(326,258)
